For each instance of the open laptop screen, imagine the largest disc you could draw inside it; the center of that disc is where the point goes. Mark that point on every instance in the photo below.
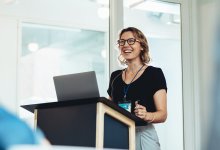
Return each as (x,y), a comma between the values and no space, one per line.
(76,86)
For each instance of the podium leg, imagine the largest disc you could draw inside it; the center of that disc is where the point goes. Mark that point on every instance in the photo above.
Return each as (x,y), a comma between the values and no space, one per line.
(99,126)
(35,119)
(101,110)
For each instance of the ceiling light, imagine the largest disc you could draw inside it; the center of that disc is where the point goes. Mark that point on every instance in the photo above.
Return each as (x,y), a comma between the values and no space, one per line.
(33,46)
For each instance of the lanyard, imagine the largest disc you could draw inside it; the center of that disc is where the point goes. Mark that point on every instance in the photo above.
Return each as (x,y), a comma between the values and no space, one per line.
(127,87)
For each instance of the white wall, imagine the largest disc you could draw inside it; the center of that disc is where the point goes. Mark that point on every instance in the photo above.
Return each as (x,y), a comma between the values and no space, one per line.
(56,12)
(208,13)
(8,62)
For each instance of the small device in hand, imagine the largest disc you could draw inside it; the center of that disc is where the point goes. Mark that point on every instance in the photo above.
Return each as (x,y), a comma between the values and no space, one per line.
(126,104)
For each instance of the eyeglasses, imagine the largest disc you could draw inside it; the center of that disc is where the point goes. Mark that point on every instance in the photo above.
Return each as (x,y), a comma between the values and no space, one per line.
(130,41)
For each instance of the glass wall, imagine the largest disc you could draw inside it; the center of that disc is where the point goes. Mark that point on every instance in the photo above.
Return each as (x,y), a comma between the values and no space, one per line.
(73,40)
(160,22)
(49,51)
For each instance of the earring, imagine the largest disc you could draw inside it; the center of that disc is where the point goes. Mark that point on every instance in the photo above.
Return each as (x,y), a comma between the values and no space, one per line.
(122,59)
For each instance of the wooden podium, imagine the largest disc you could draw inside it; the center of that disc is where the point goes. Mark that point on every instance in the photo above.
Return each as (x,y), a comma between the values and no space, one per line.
(94,122)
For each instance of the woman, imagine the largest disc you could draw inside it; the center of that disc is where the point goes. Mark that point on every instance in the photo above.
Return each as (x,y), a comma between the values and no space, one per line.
(142,85)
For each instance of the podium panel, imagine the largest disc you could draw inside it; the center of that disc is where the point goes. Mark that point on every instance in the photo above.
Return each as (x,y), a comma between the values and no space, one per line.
(69,125)
(95,122)
(116,133)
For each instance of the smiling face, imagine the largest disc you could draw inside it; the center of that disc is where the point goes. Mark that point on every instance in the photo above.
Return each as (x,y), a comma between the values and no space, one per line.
(132,48)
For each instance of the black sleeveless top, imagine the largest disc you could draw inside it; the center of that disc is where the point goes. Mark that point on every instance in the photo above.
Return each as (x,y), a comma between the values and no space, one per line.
(141,89)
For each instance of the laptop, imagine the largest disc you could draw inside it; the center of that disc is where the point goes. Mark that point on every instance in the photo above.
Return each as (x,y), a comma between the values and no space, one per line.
(76,86)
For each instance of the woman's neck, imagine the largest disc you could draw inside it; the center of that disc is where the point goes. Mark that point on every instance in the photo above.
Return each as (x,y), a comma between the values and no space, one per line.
(134,67)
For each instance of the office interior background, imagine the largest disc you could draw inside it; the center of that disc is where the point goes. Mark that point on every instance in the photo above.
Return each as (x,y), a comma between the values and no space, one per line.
(45,38)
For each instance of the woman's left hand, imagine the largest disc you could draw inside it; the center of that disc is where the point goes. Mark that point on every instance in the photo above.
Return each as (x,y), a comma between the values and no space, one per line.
(140,111)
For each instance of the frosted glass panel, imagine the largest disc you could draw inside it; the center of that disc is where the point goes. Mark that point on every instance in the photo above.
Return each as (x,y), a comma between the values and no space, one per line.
(160,22)
(48,51)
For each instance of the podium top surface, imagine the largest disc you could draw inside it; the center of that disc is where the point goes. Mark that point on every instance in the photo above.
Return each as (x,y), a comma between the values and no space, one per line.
(103,100)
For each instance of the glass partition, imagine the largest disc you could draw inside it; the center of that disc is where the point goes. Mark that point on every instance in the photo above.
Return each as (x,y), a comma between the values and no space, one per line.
(49,51)
(161,23)
(71,40)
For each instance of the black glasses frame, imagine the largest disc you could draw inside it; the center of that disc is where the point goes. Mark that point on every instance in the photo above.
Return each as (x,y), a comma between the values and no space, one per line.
(130,41)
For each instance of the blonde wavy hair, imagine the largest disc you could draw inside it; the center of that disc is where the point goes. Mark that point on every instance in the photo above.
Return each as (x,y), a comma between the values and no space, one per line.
(144,55)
